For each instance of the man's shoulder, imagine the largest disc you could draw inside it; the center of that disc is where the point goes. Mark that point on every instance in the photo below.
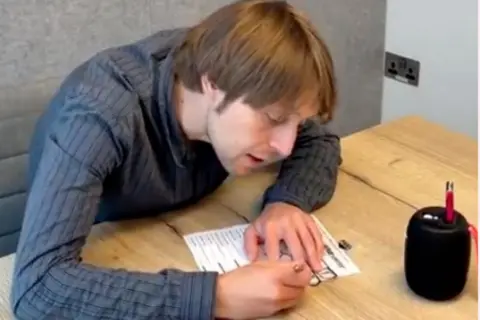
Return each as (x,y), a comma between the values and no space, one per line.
(142,55)
(151,48)
(112,84)
(117,77)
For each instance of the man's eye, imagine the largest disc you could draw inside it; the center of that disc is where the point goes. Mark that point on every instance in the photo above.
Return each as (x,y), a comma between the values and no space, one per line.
(277,119)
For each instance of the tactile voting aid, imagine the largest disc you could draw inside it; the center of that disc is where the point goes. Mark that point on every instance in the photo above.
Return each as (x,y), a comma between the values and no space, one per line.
(222,250)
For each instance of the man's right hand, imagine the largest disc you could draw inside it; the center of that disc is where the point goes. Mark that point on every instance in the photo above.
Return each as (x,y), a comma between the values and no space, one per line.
(260,289)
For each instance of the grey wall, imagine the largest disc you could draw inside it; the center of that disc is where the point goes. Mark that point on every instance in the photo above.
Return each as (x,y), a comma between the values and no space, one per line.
(445,43)
(42,40)
(355,32)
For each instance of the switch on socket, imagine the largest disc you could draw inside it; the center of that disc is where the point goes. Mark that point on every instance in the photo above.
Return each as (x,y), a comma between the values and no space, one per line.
(402,68)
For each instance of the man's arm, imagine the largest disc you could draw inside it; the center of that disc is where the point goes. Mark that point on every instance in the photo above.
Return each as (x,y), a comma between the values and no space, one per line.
(308,178)
(50,281)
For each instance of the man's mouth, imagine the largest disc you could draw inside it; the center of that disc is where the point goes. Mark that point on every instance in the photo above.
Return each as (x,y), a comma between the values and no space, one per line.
(255,159)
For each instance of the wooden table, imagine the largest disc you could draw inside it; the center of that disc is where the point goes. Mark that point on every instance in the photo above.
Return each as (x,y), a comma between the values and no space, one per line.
(388,172)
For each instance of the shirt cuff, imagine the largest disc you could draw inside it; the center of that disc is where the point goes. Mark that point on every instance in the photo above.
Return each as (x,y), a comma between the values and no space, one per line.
(198,295)
(276,193)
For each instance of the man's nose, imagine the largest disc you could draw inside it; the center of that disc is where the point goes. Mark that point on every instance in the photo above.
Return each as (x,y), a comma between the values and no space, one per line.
(283,140)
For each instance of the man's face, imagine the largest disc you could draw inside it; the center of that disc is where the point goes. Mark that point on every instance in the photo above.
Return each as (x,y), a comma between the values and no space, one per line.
(246,139)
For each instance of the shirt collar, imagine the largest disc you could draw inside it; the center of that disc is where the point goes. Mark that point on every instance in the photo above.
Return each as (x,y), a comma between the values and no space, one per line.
(177,142)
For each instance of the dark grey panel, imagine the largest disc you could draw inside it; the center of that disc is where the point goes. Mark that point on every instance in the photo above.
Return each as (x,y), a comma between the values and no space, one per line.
(8,243)
(26,99)
(12,180)
(11,213)
(15,135)
(49,38)
(355,34)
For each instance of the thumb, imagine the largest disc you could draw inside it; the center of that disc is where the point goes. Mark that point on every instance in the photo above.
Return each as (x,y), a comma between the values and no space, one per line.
(251,243)
(296,274)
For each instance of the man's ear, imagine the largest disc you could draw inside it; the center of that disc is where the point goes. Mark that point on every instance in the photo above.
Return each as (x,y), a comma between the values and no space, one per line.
(208,87)
(210,90)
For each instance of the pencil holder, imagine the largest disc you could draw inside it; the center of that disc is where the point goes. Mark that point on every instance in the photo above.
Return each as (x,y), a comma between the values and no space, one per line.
(437,254)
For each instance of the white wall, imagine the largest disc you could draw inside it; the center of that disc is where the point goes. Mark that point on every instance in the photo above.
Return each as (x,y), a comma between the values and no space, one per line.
(442,35)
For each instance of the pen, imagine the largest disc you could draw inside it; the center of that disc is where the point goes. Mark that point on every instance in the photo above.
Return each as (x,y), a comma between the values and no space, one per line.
(298,268)
(315,280)
(449,202)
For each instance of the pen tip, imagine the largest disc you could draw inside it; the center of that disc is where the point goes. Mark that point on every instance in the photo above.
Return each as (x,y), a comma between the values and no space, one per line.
(449,186)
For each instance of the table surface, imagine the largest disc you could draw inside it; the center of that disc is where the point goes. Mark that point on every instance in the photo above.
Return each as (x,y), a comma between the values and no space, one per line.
(388,171)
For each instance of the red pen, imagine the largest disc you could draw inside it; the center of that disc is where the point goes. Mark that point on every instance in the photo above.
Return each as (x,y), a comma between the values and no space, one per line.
(449,202)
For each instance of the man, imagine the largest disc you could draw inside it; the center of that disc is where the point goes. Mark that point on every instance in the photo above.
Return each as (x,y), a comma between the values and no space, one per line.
(156,125)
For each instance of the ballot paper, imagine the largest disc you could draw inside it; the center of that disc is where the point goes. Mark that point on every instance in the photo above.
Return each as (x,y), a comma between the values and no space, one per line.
(222,250)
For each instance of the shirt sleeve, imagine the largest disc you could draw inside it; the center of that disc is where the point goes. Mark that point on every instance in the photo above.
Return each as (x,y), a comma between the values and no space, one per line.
(50,280)
(307,179)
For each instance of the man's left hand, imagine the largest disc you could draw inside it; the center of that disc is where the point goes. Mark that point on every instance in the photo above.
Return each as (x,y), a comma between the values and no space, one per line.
(282,221)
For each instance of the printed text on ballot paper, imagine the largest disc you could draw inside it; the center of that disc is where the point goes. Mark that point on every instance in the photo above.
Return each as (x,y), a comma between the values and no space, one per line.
(222,250)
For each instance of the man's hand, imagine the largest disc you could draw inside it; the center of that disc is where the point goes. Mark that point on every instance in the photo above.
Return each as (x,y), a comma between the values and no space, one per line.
(260,289)
(281,221)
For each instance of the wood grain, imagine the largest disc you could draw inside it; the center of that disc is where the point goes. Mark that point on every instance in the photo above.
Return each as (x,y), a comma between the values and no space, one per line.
(433,140)
(388,172)
(405,172)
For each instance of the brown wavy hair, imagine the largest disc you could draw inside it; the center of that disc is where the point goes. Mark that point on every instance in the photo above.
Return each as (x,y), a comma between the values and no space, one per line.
(266,52)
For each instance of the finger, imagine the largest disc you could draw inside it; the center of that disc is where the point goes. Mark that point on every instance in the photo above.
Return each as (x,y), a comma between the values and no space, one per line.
(294,245)
(290,299)
(251,243)
(289,296)
(317,239)
(315,232)
(285,257)
(295,294)
(288,304)
(309,245)
(272,243)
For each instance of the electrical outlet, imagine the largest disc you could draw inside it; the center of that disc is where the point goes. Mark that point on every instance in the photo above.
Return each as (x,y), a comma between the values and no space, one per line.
(402,68)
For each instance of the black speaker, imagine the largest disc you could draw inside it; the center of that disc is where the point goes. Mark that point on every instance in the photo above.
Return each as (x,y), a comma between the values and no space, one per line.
(437,254)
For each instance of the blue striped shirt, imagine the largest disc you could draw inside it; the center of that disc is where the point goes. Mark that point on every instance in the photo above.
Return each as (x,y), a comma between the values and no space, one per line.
(109,147)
